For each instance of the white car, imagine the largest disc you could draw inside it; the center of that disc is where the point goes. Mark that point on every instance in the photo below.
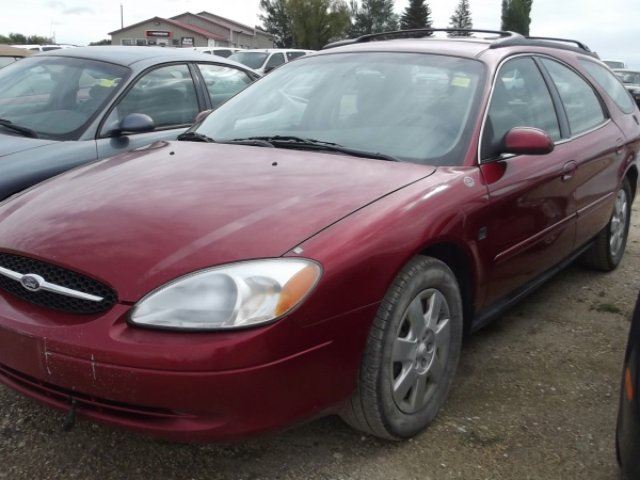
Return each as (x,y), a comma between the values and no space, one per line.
(224,52)
(43,48)
(265,60)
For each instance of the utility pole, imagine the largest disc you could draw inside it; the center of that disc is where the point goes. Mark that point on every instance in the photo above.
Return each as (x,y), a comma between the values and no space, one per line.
(121,17)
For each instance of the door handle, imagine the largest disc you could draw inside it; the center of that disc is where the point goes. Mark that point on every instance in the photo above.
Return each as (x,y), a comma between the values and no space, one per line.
(619,146)
(569,170)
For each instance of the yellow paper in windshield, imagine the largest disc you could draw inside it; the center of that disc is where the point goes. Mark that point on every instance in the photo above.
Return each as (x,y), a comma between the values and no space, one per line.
(107,82)
(462,82)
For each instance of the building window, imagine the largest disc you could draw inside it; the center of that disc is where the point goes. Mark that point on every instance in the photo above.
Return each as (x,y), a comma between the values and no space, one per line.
(175,42)
(141,42)
(127,42)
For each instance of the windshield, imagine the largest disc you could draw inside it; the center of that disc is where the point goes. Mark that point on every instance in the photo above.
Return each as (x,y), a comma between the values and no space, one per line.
(250,59)
(631,78)
(55,96)
(411,106)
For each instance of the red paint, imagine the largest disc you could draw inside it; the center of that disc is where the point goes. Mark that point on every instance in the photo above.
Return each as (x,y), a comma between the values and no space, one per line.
(147,217)
(527,141)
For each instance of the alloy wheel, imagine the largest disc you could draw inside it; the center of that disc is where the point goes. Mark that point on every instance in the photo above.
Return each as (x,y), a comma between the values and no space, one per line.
(618,226)
(420,351)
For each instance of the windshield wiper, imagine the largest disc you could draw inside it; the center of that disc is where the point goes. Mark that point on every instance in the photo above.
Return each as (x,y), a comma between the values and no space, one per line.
(195,137)
(27,132)
(289,141)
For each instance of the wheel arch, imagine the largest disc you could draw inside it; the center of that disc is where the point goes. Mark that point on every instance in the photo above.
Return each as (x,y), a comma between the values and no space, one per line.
(461,261)
(632,175)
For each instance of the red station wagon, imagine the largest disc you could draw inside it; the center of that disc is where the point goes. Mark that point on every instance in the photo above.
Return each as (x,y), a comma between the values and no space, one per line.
(321,242)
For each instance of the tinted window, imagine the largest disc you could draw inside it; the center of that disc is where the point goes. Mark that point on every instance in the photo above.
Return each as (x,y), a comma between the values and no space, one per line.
(520,99)
(276,60)
(222,53)
(294,55)
(166,94)
(610,84)
(580,101)
(253,60)
(628,77)
(223,82)
(57,96)
(416,107)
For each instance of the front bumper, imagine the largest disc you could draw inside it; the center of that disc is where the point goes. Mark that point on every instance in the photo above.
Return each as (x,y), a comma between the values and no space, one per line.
(185,387)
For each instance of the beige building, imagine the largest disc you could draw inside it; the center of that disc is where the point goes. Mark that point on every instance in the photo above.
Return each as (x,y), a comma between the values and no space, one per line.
(192,30)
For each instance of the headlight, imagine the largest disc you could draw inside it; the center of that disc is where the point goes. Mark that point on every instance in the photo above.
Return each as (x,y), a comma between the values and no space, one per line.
(232,296)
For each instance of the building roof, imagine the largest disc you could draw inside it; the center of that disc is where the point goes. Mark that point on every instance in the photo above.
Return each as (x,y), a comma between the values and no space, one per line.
(231,23)
(175,23)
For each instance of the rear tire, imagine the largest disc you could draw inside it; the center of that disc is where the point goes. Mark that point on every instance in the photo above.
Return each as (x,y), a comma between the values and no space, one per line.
(411,354)
(607,250)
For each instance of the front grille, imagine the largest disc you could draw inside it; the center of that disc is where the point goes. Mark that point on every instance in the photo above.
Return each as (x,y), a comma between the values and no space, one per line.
(59,276)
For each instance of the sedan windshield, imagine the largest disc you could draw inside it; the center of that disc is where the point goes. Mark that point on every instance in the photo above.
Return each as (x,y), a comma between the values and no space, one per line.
(407,106)
(56,97)
(250,59)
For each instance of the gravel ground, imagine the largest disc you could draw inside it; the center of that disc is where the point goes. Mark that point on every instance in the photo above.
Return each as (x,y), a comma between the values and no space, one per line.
(535,397)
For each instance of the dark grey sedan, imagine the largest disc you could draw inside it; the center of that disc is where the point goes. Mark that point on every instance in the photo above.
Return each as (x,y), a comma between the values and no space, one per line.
(67,107)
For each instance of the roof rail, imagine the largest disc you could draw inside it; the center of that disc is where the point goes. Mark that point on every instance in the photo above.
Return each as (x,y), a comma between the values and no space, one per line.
(549,42)
(417,33)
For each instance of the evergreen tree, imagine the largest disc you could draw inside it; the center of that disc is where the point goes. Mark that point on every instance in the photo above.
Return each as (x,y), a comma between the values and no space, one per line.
(276,21)
(416,15)
(317,22)
(516,15)
(374,16)
(461,18)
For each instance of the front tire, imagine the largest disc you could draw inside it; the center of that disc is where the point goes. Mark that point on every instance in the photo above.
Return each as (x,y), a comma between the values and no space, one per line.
(608,247)
(411,354)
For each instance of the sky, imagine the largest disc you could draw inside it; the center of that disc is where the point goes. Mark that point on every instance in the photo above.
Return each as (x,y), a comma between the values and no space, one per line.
(611,28)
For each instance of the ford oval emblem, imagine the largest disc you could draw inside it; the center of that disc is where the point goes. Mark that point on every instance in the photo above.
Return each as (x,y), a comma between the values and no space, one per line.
(31,282)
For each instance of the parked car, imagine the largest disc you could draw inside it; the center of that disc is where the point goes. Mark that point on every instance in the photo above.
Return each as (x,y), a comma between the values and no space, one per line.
(224,52)
(64,108)
(320,242)
(9,55)
(614,64)
(628,428)
(631,80)
(42,48)
(263,61)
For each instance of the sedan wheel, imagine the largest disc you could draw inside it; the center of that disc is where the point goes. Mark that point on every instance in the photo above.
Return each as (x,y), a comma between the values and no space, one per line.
(421,351)
(411,354)
(608,247)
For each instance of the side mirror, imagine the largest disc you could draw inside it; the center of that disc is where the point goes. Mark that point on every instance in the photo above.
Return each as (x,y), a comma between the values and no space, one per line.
(268,69)
(202,115)
(134,123)
(527,141)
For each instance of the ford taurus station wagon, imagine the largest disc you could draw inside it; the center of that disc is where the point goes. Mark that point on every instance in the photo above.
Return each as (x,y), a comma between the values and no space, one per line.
(321,242)
(71,106)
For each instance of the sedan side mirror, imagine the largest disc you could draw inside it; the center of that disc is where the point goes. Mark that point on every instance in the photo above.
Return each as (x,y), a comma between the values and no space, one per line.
(527,141)
(134,123)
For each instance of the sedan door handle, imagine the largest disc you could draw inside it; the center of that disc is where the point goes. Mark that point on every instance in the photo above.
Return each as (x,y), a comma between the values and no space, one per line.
(569,170)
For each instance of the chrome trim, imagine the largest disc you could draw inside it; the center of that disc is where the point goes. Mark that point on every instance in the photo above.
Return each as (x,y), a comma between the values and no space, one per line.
(42,284)
(551,57)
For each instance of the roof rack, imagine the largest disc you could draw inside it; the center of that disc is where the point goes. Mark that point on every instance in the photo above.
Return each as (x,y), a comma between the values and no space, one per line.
(549,42)
(418,33)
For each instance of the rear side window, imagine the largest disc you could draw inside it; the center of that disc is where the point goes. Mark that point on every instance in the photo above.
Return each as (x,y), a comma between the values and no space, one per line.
(276,60)
(294,55)
(581,103)
(520,99)
(222,53)
(223,82)
(610,84)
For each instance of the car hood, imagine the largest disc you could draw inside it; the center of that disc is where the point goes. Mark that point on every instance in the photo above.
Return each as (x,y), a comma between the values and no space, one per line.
(10,144)
(144,218)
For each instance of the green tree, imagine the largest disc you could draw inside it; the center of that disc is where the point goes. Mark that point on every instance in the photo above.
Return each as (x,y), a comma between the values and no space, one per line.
(461,18)
(317,22)
(276,20)
(374,16)
(516,15)
(21,39)
(416,15)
